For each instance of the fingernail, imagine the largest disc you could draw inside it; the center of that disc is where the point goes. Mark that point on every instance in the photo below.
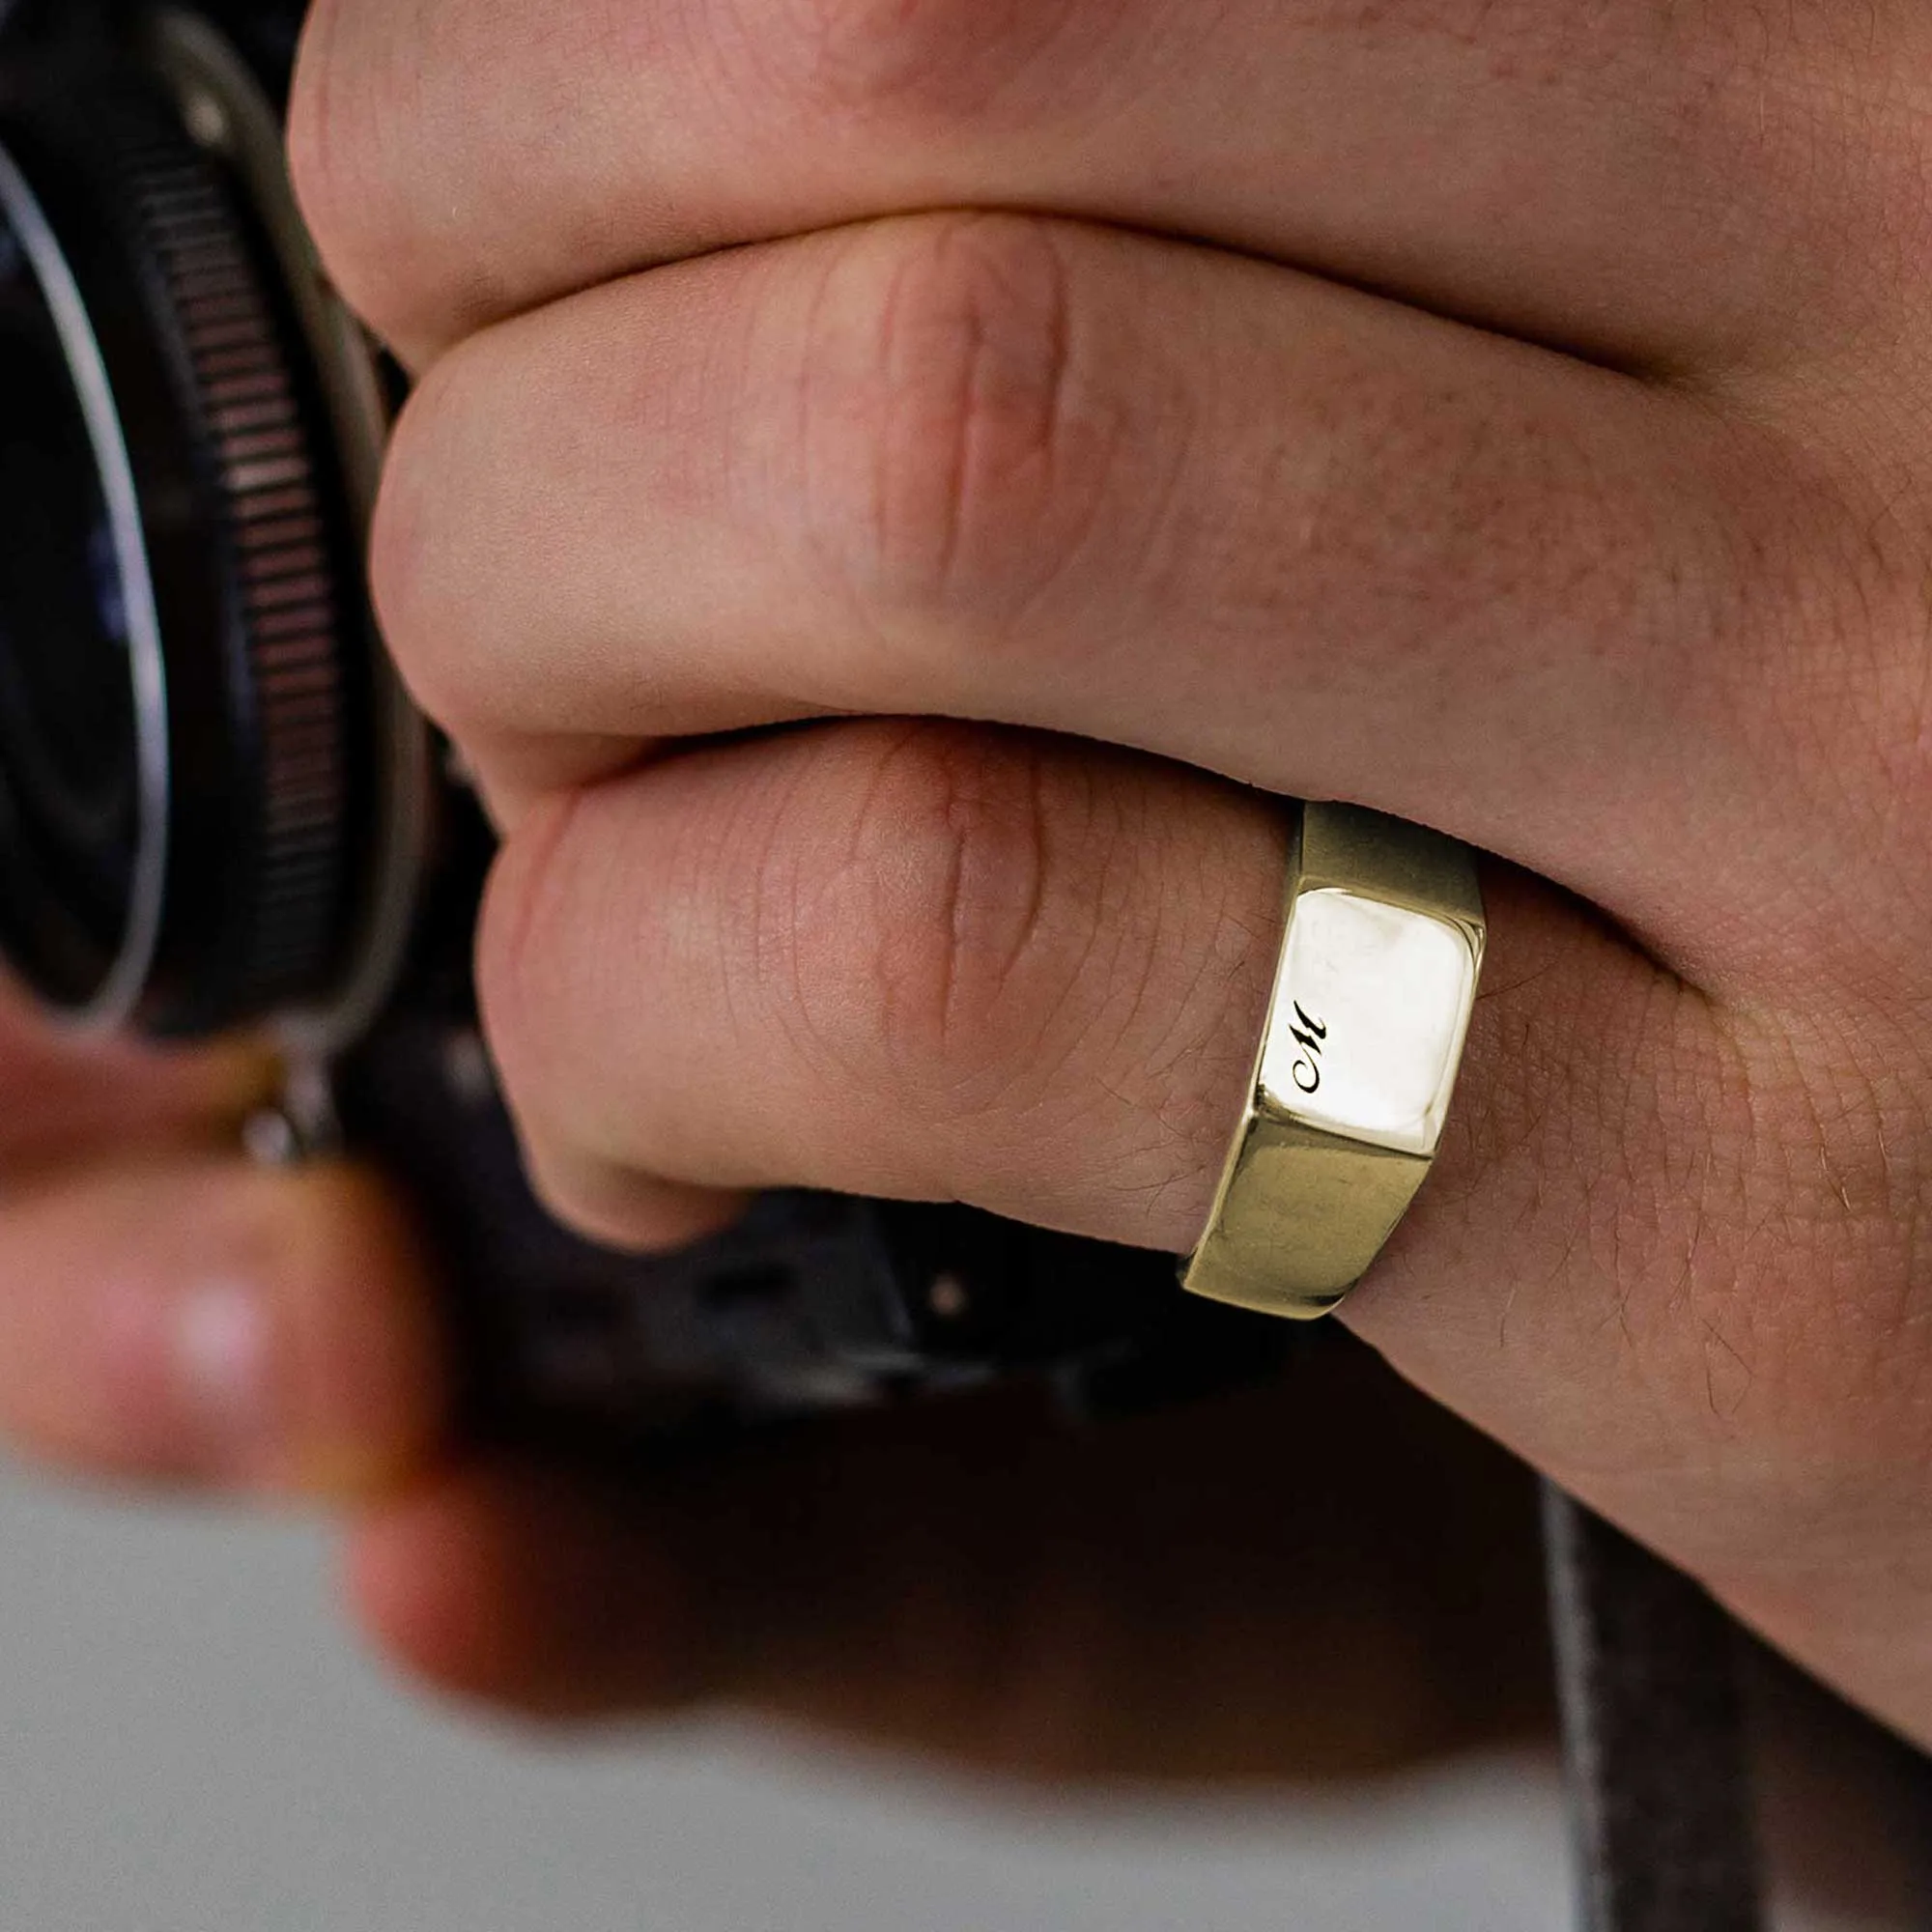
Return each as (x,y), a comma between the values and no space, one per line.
(268,1333)
(184,1369)
(244,1392)
(221,1349)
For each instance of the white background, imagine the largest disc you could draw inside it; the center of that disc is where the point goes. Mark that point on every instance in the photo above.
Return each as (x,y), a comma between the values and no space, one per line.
(188,1744)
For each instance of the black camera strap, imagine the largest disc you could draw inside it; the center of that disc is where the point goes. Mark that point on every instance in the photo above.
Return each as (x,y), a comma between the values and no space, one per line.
(1654,1735)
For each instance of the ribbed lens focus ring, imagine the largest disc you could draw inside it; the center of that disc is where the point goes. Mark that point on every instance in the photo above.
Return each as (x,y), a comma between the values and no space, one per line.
(289,611)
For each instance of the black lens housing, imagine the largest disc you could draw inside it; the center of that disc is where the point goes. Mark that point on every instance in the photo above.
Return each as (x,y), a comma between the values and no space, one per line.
(264,728)
(70,779)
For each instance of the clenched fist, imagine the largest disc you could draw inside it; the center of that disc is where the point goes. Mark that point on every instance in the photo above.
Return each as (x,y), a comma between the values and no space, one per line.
(1081,419)
(897,490)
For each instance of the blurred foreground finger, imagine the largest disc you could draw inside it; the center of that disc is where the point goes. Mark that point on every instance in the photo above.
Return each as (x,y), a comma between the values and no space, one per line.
(982,1581)
(211,1323)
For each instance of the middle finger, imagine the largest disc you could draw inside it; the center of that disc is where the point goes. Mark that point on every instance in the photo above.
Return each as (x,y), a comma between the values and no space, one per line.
(1053,476)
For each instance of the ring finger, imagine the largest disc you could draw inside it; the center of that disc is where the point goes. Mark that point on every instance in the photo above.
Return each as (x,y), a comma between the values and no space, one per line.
(913,959)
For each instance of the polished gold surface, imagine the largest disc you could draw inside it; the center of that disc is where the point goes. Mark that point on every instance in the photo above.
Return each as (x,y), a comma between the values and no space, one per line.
(1379,960)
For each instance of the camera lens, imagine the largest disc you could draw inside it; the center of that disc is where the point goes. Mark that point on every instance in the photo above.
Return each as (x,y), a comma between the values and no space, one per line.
(69,766)
(189,767)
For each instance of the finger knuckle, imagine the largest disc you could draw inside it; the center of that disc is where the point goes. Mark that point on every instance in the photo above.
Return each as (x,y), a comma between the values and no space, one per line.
(956,443)
(1763,1266)
(1821,678)
(949,906)
(920,64)
(1791,124)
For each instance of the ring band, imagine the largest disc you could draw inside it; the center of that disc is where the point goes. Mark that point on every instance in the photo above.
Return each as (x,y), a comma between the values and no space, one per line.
(1379,960)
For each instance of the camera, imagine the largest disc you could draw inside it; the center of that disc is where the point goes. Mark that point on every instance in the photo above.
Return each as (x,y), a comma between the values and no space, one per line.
(218,810)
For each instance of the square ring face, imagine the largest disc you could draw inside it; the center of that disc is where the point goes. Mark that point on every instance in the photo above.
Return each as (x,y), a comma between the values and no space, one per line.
(1371,1007)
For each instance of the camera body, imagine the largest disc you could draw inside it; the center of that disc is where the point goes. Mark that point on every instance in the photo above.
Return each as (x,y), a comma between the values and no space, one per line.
(217,806)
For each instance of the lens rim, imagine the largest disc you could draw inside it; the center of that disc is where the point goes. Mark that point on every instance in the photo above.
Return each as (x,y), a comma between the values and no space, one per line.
(223,103)
(116,999)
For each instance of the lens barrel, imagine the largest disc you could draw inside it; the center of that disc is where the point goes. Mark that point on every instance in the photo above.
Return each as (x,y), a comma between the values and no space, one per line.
(186,792)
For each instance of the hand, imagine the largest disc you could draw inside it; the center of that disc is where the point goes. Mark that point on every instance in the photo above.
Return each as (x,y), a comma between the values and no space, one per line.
(1512,417)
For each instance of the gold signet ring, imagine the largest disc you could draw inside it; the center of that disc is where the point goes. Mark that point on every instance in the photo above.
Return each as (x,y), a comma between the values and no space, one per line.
(1379,960)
